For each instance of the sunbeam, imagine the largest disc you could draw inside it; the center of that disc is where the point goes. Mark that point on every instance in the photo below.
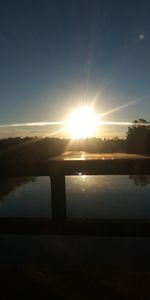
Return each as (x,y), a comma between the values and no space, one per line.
(55,123)
(138,100)
(123,123)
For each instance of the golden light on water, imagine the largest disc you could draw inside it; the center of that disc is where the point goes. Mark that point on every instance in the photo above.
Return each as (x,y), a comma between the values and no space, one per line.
(82,123)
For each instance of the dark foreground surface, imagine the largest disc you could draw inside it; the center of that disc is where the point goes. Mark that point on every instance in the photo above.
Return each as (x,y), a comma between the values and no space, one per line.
(40,283)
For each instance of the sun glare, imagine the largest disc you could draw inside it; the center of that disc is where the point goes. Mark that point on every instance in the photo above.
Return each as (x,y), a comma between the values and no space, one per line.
(82,123)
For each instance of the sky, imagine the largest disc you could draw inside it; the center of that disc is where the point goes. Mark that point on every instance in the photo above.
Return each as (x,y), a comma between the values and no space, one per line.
(56,55)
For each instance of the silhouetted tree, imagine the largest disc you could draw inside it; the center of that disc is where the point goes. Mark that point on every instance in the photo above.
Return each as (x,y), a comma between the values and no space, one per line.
(138,137)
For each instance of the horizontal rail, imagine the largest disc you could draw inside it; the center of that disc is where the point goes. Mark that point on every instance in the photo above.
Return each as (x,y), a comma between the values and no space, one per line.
(79,227)
(73,167)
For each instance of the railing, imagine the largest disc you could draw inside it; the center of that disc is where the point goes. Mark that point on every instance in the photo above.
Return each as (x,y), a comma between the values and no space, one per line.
(60,224)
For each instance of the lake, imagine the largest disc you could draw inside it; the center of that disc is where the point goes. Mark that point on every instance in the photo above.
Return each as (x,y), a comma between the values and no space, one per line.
(86,196)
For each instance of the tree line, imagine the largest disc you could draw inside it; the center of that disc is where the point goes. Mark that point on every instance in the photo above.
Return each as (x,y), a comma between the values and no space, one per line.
(137,141)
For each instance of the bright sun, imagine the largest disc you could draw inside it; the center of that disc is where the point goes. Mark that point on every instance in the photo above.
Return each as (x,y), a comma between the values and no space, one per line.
(82,123)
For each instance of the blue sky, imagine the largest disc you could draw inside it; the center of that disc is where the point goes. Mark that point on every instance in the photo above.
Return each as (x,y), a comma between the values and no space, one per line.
(58,54)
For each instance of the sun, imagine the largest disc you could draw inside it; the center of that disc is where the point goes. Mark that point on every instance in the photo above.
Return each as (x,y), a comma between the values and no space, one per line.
(82,123)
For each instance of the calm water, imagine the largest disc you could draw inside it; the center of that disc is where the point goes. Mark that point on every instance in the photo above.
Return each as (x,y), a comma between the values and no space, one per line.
(87,196)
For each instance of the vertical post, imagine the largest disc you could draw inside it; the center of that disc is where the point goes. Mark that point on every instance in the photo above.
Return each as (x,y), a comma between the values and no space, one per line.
(58,197)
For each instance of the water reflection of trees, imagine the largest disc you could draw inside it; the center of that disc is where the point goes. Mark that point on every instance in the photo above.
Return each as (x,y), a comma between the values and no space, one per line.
(8,185)
(141,180)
